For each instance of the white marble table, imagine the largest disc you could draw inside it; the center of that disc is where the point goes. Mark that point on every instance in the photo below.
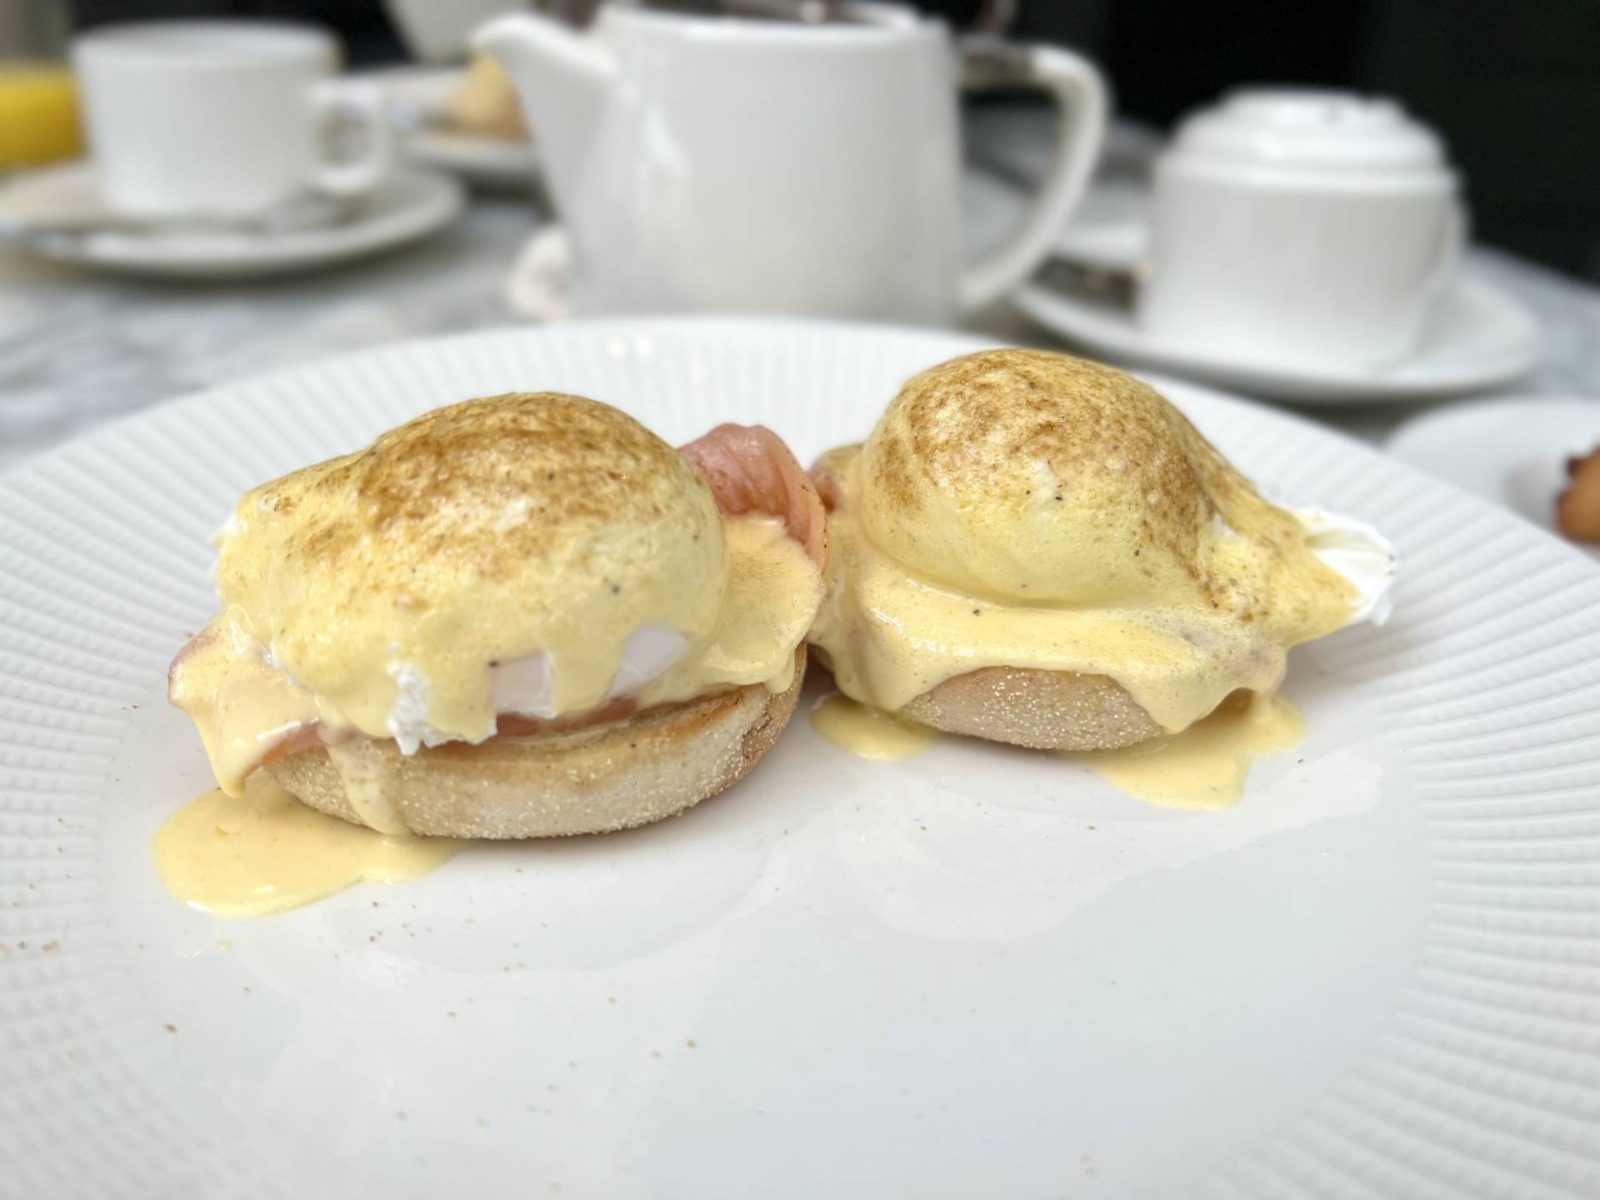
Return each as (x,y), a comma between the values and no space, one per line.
(79,349)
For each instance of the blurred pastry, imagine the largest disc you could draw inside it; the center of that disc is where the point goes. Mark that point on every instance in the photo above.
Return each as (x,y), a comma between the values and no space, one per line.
(486,103)
(1578,507)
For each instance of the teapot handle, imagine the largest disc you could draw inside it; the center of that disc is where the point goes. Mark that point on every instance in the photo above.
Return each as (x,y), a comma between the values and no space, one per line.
(1080,92)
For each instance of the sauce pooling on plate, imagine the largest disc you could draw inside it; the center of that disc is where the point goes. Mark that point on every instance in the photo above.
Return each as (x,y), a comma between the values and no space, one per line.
(869,732)
(1205,766)
(265,852)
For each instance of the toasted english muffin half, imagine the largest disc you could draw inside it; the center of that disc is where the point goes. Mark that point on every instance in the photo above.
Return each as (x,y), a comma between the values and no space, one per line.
(597,779)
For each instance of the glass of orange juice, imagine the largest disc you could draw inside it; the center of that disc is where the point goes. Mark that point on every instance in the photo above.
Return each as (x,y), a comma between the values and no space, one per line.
(38,113)
(38,101)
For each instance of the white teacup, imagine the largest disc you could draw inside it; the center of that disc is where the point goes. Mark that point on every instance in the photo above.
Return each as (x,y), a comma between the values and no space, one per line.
(1301,227)
(220,118)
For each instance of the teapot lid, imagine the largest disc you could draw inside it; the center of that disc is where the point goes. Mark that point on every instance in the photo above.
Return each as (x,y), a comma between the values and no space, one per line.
(803,12)
(1307,131)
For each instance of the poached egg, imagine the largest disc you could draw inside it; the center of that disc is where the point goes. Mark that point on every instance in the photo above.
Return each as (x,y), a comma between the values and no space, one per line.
(1026,509)
(523,561)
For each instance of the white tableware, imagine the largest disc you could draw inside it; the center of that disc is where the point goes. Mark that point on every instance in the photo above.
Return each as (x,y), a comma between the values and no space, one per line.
(539,285)
(1110,230)
(484,161)
(221,118)
(715,164)
(419,100)
(406,206)
(1513,452)
(977,972)
(441,30)
(1104,231)
(1314,230)
(1478,338)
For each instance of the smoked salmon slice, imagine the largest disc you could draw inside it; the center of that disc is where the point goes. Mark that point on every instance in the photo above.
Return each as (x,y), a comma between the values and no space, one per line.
(750,469)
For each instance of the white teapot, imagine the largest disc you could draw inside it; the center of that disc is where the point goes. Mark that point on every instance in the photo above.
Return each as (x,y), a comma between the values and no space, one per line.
(720,164)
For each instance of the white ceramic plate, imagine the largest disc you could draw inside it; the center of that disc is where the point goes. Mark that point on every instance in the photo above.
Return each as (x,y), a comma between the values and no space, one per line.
(409,205)
(977,972)
(1512,451)
(1481,338)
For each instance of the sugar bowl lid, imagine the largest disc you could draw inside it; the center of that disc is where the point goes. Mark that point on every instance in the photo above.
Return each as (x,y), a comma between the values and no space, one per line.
(1308,132)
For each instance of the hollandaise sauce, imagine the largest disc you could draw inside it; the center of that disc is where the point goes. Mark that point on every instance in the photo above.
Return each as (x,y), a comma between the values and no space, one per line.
(264,852)
(869,732)
(1205,766)
(1182,595)
(243,703)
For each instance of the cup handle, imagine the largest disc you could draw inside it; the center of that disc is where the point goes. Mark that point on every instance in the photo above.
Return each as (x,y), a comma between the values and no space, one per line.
(1080,92)
(364,105)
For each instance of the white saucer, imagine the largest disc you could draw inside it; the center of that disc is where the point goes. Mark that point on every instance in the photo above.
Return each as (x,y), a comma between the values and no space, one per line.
(1482,338)
(1513,452)
(1109,229)
(419,97)
(410,205)
(483,161)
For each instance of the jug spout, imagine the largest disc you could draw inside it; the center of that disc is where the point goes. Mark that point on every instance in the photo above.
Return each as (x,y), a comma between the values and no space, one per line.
(564,80)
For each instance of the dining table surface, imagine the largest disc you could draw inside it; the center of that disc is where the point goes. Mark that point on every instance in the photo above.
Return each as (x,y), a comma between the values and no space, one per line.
(79,349)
